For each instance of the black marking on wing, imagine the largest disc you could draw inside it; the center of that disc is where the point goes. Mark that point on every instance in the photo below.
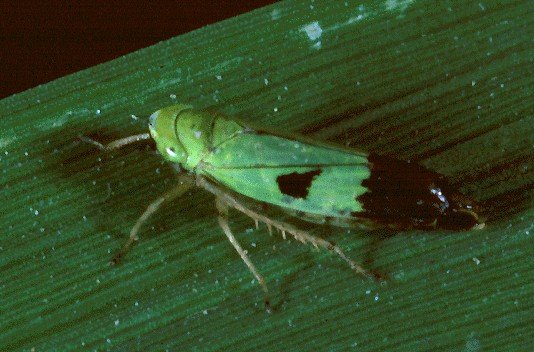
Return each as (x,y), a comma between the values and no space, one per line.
(399,193)
(408,195)
(297,184)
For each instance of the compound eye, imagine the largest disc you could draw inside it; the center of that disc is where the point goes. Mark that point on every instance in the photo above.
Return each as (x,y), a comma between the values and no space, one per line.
(152,119)
(171,151)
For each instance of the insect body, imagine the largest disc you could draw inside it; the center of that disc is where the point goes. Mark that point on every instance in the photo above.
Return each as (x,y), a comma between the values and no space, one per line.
(308,178)
(316,182)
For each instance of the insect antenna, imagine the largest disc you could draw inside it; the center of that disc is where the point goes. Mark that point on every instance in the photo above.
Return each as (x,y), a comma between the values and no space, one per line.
(116,144)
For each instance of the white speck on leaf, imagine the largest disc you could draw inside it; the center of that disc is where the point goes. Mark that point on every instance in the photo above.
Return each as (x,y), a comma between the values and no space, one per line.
(4,142)
(275,14)
(215,96)
(355,19)
(472,344)
(313,30)
(398,5)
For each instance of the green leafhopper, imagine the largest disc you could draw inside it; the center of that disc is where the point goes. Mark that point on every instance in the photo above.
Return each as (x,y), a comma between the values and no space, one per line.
(316,182)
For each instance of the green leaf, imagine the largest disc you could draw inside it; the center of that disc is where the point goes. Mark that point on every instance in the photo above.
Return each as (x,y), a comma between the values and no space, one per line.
(447,84)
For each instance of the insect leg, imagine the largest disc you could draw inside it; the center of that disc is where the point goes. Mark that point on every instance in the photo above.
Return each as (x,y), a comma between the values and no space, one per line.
(300,235)
(222,207)
(118,143)
(185,182)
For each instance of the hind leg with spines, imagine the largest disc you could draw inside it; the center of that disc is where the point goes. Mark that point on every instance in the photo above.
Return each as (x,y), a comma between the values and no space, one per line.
(283,227)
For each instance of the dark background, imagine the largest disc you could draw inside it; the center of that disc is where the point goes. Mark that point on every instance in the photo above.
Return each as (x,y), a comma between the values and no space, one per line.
(41,41)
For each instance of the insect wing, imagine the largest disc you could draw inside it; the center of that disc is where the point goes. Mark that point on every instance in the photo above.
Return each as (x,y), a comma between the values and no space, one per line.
(289,173)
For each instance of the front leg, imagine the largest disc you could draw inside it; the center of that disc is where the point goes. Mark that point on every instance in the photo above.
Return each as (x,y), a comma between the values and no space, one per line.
(185,183)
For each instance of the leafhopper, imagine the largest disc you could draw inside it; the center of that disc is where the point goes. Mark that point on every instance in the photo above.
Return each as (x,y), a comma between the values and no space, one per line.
(241,165)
